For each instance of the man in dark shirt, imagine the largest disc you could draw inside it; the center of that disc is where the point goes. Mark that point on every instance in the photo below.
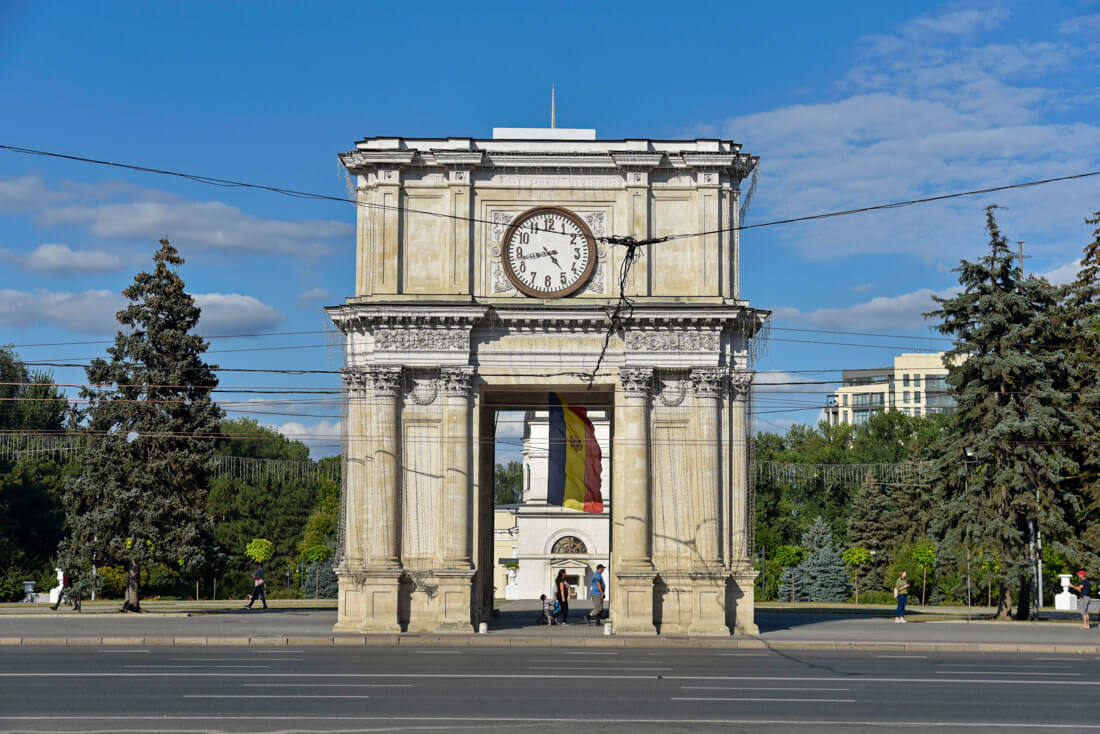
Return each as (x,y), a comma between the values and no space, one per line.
(258,591)
(1083,587)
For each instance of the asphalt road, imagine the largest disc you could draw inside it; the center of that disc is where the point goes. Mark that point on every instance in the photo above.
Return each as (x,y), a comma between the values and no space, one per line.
(518,621)
(534,689)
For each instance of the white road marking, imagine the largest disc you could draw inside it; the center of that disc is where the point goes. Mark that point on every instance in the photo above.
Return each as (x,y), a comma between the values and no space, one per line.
(266,695)
(744,654)
(747,688)
(903,657)
(1065,659)
(213,667)
(119,652)
(283,651)
(438,652)
(329,685)
(593,670)
(800,700)
(792,723)
(570,676)
(999,672)
(223,660)
(590,653)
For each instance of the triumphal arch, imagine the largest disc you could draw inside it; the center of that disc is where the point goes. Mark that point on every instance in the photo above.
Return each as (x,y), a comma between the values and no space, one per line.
(487,276)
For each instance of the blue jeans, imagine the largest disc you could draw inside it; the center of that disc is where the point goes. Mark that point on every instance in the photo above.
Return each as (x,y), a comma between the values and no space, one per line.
(900,611)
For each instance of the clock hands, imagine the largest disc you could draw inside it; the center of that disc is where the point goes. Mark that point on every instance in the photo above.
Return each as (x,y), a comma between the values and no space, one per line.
(552,258)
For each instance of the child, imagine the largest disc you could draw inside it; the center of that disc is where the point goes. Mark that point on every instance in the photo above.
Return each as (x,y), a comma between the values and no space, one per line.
(547,616)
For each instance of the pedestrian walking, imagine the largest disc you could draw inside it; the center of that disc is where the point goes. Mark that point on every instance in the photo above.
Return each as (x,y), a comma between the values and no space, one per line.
(901,593)
(561,595)
(1083,587)
(598,592)
(547,615)
(258,591)
(67,594)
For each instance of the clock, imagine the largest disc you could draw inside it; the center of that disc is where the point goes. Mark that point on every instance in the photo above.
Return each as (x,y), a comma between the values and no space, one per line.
(548,252)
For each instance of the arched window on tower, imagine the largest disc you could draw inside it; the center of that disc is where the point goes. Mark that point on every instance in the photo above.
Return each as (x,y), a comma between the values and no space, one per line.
(569,544)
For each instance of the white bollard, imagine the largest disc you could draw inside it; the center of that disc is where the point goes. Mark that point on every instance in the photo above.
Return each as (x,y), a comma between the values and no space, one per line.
(483,628)
(607,629)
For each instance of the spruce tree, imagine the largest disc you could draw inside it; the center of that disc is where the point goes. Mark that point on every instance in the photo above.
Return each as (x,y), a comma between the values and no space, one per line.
(822,573)
(1081,324)
(140,495)
(791,586)
(1002,466)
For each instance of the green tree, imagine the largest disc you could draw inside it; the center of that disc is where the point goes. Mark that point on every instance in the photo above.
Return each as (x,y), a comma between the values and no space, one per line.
(260,550)
(1010,378)
(508,483)
(822,572)
(140,495)
(923,555)
(245,437)
(857,558)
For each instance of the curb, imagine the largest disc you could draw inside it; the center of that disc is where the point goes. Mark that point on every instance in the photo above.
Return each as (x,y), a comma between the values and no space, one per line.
(406,640)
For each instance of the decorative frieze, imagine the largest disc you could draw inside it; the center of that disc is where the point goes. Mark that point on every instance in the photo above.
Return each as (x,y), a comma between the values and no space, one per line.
(421,340)
(672,341)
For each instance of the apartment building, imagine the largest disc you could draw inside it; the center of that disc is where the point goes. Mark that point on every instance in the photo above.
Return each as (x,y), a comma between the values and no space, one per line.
(915,384)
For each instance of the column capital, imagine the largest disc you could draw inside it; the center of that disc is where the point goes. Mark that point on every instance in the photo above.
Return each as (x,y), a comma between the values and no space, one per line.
(354,378)
(710,382)
(741,381)
(385,379)
(636,382)
(458,381)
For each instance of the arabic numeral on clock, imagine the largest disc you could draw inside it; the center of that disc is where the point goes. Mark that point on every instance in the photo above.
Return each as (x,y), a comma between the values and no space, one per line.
(563,280)
(525,237)
(519,252)
(522,267)
(547,281)
(576,253)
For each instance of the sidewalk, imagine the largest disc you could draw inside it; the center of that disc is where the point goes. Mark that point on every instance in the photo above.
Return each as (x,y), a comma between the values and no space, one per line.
(309,622)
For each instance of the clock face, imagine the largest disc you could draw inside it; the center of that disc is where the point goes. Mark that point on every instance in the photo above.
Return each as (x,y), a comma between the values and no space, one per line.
(548,252)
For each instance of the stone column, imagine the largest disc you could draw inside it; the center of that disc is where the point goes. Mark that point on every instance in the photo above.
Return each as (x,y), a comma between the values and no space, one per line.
(632,605)
(708,577)
(740,598)
(455,575)
(373,588)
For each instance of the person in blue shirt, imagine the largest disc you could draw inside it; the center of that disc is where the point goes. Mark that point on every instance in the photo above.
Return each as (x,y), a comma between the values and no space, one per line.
(598,592)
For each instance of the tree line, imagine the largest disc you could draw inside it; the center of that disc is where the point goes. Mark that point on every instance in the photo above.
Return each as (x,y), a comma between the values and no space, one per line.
(1013,472)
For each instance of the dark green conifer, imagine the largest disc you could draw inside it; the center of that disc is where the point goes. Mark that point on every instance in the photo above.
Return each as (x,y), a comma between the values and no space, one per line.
(1002,466)
(822,573)
(140,495)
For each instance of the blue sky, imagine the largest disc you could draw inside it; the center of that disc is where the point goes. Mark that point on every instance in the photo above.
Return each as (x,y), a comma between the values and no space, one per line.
(847,105)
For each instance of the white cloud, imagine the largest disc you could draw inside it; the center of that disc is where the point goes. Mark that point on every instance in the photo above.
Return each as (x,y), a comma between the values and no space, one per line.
(922,112)
(90,311)
(26,193)
(1063,274)
(118,210)
(201,224)
(895,313)
(863,287)
(1082,24)
(233,313)
(62,260)
(323,438)
(312,295)
(93,311)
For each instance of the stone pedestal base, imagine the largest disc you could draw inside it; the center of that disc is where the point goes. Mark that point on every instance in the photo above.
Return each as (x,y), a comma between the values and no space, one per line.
(708,605)
(442,602)
(368,601)
(632,603)
(740,605)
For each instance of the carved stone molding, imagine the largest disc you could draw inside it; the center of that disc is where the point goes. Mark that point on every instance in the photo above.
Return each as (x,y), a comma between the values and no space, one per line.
(421,340)
(500,283)
(672,341)
(385,379)
(637,382)
(672,389)
(458,380)
(421,388)
(710,382)
(597,283)
(741,382)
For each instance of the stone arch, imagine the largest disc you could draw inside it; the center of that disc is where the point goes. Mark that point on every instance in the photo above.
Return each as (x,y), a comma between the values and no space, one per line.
(562,534)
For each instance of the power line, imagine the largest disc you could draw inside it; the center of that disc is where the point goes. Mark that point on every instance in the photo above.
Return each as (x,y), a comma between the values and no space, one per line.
(221,182)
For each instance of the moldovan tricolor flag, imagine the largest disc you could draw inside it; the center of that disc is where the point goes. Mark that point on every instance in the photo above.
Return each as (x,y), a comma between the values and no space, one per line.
(575,466)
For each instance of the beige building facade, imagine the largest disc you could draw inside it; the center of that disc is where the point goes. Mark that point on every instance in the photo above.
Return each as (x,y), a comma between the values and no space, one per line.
(484,282)
(915,385)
